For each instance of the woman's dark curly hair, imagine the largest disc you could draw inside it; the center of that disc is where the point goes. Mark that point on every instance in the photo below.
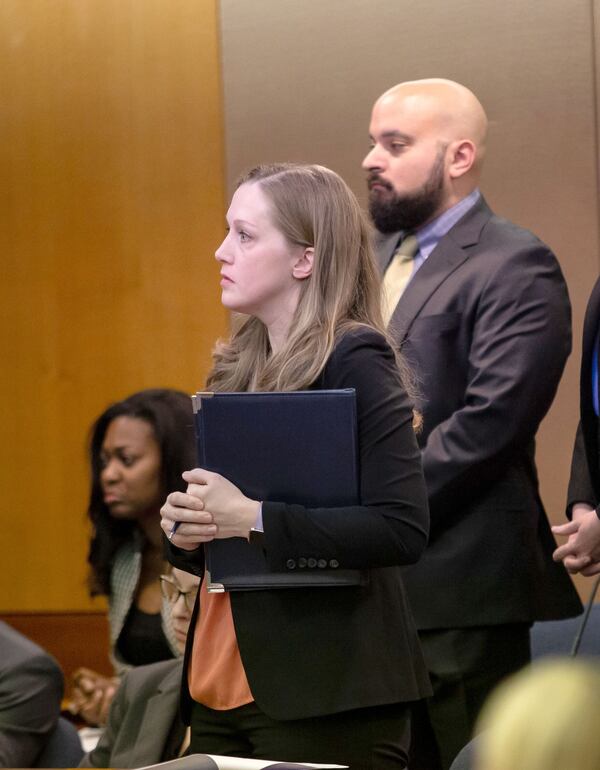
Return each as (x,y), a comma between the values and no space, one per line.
(169,413)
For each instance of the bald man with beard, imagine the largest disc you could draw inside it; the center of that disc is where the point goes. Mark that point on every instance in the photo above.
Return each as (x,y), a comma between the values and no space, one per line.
(484,322)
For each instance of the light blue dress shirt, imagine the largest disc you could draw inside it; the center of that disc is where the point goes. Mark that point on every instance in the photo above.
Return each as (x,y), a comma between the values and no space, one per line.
(432,233)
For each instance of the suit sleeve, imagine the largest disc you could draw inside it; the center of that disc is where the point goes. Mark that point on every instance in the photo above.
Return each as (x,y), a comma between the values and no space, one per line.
(30,696)
(188,561)
(520,340)
(390,527)
(101,755)
(580,488)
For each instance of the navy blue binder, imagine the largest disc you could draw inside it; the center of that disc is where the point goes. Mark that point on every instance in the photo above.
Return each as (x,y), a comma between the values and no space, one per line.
(294,447)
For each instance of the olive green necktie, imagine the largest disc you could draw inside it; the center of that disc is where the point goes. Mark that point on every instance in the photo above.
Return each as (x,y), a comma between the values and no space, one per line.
(397,275)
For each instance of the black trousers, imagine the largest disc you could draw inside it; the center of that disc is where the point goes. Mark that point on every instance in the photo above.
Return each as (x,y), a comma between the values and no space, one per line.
(374,738)
(464,667)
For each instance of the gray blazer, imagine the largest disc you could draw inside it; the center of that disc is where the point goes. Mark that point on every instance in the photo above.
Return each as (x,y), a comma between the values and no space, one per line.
(31,689)
(485,324)
(143,718)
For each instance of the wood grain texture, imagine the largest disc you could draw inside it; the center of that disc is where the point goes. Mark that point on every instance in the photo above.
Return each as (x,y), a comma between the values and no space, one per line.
(111,208)
(75,639)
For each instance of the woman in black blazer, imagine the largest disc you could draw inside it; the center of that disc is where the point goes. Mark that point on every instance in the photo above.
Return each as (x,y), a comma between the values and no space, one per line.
(314,675)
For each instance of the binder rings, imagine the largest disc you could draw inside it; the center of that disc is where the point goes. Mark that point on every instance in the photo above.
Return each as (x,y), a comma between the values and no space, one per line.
(294,447)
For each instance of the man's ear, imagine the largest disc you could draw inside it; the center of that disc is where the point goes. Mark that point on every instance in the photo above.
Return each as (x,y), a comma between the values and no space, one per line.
(463,154)
(303,266)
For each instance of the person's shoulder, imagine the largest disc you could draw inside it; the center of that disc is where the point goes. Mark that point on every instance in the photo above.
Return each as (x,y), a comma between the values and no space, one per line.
(142,677)
(512,238)
(513,231)
(360,337)
(16,645)
(485,227)
(361,354)
(502,253)
(19,651)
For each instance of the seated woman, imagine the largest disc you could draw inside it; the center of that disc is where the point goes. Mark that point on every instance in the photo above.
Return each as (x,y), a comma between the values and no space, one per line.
(144,726)
(307,674)
(543,718)
(138,450)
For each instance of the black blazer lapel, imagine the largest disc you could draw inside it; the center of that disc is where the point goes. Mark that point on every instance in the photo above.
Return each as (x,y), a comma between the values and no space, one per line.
(448,255)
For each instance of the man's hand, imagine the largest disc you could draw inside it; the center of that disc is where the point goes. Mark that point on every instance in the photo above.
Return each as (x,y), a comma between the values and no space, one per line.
(92,695)
(581,552)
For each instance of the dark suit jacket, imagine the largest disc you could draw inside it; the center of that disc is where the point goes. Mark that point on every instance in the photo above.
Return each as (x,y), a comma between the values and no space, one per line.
(143,719)
(485,325)
(31,689)
(584,483)
(309,652)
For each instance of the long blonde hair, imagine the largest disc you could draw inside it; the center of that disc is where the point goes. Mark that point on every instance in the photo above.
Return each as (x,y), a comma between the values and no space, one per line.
(312,207)
(546,717)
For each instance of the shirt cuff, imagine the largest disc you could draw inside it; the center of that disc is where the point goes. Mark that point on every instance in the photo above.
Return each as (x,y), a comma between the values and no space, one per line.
(258,524)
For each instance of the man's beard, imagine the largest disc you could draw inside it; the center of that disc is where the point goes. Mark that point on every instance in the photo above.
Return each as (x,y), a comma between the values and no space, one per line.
(411,210)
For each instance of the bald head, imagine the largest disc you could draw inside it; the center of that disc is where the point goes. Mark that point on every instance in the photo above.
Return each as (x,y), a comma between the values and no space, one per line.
(454,110)
(427,146)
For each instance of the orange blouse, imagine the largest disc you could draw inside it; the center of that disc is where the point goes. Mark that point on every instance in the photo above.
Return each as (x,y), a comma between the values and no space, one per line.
(216,676)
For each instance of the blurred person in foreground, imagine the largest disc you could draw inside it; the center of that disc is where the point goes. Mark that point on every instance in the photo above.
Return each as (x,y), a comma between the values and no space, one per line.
(543,718)
(144,726)
(139,448)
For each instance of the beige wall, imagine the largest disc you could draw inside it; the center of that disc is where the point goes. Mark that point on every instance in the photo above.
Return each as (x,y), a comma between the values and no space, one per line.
(300,77)
(112,206)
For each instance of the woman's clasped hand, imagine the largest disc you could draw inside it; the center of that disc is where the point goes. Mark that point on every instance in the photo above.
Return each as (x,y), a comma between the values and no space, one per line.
(211,507)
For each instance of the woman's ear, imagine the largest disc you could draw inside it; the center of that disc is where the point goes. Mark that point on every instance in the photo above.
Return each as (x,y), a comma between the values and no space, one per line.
(303,266)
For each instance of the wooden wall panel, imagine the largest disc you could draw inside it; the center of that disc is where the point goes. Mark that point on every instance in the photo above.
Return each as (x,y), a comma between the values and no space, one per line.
(300,79)
(111,207)
(75,639)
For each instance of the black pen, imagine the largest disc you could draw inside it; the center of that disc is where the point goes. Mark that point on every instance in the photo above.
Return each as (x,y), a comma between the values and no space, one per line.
(173,529)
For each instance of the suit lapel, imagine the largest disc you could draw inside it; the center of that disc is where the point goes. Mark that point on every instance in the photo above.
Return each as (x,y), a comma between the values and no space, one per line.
(385,246)
(442,261)
(159,715)
(448,255)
